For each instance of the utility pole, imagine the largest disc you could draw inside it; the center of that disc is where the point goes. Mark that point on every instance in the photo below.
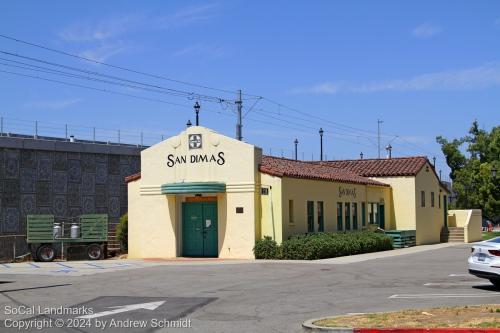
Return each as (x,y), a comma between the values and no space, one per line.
(378,135)
(239,125)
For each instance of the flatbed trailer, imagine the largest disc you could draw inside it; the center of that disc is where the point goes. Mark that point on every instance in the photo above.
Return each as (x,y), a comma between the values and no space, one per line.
(45,233)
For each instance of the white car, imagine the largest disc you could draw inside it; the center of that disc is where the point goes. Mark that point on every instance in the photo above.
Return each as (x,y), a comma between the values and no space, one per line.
(484,261)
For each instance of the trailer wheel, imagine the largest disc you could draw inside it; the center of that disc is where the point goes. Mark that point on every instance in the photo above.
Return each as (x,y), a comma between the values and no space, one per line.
(45,253)
(94,252)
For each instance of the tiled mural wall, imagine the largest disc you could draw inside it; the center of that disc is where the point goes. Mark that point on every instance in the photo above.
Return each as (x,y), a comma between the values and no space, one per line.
(65,184)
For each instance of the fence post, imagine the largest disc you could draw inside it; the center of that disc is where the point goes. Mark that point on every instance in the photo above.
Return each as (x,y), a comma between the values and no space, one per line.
(14,249)
(36,129)
(94,135)
(118,136)
(66,131)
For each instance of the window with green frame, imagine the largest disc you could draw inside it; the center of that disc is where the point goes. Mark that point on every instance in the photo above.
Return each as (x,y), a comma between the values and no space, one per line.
(347,216)
(354,216)
(321,219)
(310,216)
(373,213)
(363,214)
(339,216)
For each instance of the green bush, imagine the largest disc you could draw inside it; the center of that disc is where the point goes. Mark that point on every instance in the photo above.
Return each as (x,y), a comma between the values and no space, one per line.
(266,248)
(323,245)
(122,231)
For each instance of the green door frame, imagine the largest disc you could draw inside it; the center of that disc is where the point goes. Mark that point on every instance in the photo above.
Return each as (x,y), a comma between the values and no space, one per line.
(199,229)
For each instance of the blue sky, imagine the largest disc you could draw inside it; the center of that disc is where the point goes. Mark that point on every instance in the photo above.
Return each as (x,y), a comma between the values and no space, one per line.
(425,68)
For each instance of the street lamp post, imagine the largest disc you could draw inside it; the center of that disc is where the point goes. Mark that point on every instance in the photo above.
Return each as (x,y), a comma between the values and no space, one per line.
(389,150)
(197,110)
(321,143)
(296,144)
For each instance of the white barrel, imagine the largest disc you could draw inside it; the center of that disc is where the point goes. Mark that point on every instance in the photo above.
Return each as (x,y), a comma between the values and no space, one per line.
(75,231)
(57,230)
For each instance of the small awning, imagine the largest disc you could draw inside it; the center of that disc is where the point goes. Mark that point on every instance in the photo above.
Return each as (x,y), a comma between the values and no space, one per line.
(184,188)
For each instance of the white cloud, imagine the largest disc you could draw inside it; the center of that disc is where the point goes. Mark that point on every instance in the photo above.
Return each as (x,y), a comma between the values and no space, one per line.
(202,49)
(52,105)
(95,31)
(104,51)
(483,76)
(185,16)
(426,30)
(102,39)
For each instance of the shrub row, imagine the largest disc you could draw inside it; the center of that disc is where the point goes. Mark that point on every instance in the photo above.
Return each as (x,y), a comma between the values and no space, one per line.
(322,245)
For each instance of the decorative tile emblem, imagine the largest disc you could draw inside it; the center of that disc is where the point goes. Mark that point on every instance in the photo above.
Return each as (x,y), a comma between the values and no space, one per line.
(195,141)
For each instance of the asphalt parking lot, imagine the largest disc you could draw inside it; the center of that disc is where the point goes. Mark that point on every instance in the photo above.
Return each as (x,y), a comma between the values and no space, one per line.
(244,296)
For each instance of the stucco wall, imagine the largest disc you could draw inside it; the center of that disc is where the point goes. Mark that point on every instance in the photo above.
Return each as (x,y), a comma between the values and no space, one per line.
(470,220)
(271,208)
(402,198)
(430,220)
(303,190)
(234,163)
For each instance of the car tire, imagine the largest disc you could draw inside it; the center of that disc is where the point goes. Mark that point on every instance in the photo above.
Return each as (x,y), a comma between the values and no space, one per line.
(94,252)
(45,253)
(496,283)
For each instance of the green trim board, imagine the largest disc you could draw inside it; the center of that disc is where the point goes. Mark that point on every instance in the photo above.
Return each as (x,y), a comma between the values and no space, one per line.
(199,187)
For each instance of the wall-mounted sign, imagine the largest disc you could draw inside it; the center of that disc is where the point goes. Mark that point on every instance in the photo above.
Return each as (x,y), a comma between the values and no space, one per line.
(239,210)
(347,192)
(195,141)
(196,158)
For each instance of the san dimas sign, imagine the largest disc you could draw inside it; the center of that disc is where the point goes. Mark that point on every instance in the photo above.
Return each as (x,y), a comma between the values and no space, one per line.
(196,158)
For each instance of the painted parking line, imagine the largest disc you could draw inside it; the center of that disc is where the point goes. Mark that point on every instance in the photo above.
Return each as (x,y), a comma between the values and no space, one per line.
(94,265)
(423,296)
(5,265)
(67,266)
(460,283)
(33,265)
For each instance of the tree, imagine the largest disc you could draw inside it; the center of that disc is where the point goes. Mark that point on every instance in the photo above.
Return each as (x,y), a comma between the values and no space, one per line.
(122,231)
(471,169)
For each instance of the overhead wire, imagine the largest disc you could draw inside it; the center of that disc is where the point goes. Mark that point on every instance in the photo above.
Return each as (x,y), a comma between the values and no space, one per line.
(339,126)
(157,76)
(174,92)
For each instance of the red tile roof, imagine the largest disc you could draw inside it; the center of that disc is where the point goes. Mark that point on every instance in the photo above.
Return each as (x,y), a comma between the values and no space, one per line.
(346,171)
(282,167)
(386,167)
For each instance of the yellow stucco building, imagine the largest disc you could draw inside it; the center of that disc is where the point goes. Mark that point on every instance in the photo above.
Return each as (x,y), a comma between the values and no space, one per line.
(204,194)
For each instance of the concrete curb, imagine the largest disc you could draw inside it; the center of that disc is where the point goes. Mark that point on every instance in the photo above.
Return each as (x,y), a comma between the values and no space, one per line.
(309,326)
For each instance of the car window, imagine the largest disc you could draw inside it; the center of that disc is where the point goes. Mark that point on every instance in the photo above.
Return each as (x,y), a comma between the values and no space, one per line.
(494,240)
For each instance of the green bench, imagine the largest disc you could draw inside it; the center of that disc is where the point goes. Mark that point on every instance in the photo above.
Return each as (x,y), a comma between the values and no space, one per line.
(402,238)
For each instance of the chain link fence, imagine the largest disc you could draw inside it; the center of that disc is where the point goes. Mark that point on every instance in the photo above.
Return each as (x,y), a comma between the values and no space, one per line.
(12,127)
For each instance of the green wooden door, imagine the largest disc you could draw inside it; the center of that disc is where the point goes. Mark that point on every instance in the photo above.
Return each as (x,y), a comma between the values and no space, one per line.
(199,229)
(381,212)
(210,245)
